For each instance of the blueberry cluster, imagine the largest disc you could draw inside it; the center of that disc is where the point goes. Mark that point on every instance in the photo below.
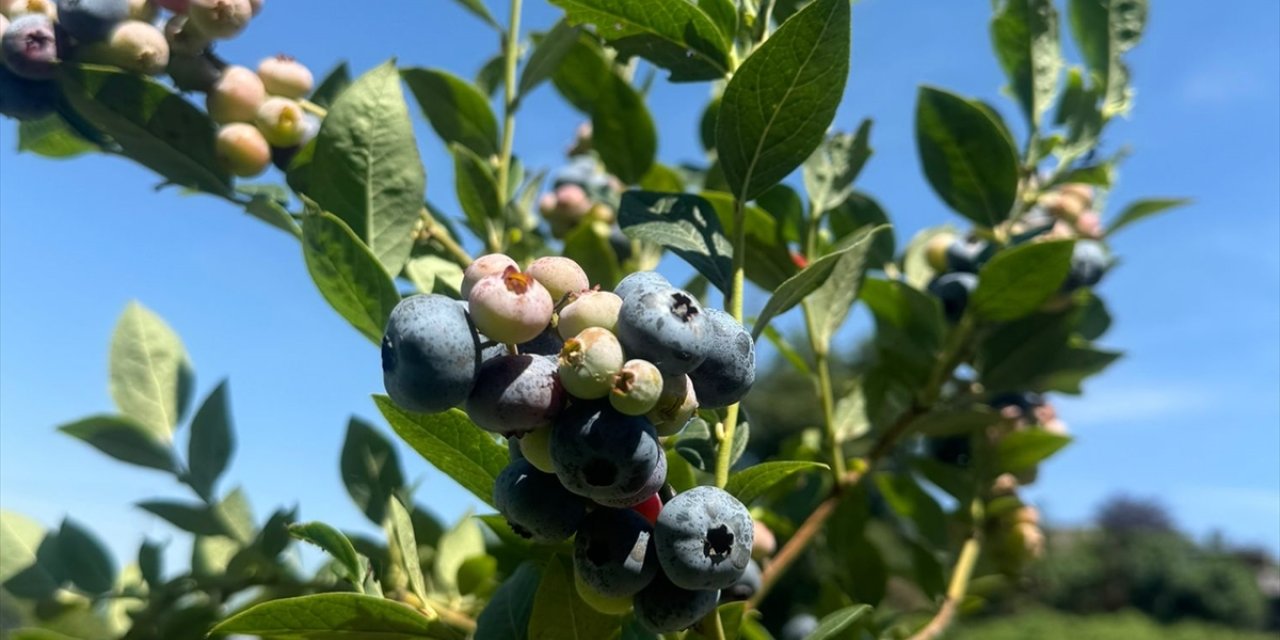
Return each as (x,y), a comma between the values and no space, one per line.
(584,383)
(260,113)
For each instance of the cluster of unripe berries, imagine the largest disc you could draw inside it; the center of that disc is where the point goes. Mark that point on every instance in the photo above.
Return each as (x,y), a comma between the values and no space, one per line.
(1063,213)
(260,113)
(584,383)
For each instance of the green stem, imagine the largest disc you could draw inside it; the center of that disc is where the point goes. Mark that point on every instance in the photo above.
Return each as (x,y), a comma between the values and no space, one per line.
(827,395)
(511,58)
(733,304)
(437,232)
(956,591)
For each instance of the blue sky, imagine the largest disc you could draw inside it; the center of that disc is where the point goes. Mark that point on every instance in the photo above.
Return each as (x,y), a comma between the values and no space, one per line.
(1191,416)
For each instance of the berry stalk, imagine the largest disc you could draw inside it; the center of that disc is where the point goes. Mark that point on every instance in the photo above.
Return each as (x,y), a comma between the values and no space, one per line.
(511,59)
(733,304)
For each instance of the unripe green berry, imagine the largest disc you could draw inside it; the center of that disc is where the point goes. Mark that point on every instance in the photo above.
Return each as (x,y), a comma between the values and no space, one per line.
(935,251)
(144,10)
(284,76)
(133,46)
(282,121)
(589,309)
(676,406)
(242,150)
(561,276)
(600,602)
(487,265)
(637,388)
(220,19)
(510,308)
(14,8)
(236,96)
(589,363)
(535,446)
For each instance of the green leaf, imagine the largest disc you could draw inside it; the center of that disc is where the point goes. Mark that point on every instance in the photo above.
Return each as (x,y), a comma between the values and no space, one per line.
(968,157)
(1022,450)
(623,133)
(151,563)
(725,14)
(123,440)
(1072,366)
(50,137)
(684,223)
(236,516)
(768,260)
(457,545)
(589,246)
(477,189)
(193,518)
(1104,30)
(329,616)
(1026,37)
(477,8)
(1143,209)
(20,539)
(370,469)
(560,614)
(152,125)
(148,365)
(911,311)
(1020,280)
(433,273)
(334,543)
(404,546)
(1079,112)
(944,422)
(547,56)
(88,563)
(456,109)
(699,445)
(859,211)
(452,443)
(829,173)
(787,351)
(673,34)
(506,616)
(366,169)
(835,623)
(273,213)
(829,305)
(582,73)
(776,109)
(211,555)
(755,481)
(799,286)
(332,86)
(212,441)
(347,274)
(680,474)
(908,499)
(1022,351)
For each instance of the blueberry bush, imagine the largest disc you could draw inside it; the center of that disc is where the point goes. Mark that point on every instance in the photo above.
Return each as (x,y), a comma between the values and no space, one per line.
(597,406)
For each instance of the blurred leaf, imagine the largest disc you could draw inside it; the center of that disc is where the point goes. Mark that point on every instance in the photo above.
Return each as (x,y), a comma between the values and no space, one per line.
(587,246)
(905,496)
(1022,450)
(1143,209)
(272,213)
(799,286)
(768,261)
(489,79)
(967,156)
(433,273)
(477,8)
(236,516)
(404,546)
(1093,319)
(1022,351)
(835,623)
(152,124)
(88,563)
(623,132)
(459,544)
(151,563)
(914,313)
(784,204)
(370,469)
(944,422)
(329,616)
(123,440)
(684,223)
(698,443)
(662,178)
(928,570)
(477,189)
(560,614)
(212,441)
(673,34)
(1026,37)
(1020,280)
(211,555)
(451,443)
(20,542)
(725,14)
(50,137)
(1072,366)
(332,86)
(1079,112)
(859,211)
(829,173)
(506,617)
(680,474)
(334,543)
(830,303)
(547,56)
(347,274)
(366,169)
(582,73)
(456,109)
(1104,30)
(787,350)
(776,109)
(755,481)
(148,363)
(192,518)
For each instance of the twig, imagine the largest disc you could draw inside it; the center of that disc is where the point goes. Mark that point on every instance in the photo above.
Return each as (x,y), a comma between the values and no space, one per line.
(956,591)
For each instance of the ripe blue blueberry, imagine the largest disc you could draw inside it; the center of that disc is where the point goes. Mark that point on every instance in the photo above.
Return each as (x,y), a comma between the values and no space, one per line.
(666,327)
(605,455)
(799,627)
(953,290)
(968,255)
(25,99)
(1089,262)
(515,394)
(704,539)
(745,587)
(91,20)
(613,553)
(730,368)
(30,47)
(663,607)
(640,281)
(535,505)
(548,343)
(430,354)
(651,487)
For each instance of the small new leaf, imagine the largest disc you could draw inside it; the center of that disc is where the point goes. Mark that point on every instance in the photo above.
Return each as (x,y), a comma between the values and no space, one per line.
(753,482)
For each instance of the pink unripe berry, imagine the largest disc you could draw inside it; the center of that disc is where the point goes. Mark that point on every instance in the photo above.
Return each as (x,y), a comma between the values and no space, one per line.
(282,121)
(590,309)
(236,96)
(547,203)
(561,276)
(242,150)
(589,363)
(763,543)
(487,265)
(284,76)
(220,19)
(132,45)
(510,308)
(1089,224)
(572,201)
